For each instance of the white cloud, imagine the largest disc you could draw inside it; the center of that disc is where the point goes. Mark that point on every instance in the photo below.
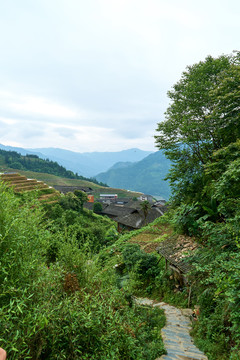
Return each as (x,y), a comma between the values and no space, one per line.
(93,75)
(8,121)
(33,105)
(42,107)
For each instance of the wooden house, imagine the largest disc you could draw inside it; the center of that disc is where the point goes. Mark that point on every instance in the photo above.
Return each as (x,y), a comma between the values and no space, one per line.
(176,252)
(136,219)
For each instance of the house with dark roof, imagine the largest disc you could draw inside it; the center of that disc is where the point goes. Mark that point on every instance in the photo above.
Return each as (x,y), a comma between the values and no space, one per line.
(161,206)
(176,252)
(129,216)
(114,211)
(136,219)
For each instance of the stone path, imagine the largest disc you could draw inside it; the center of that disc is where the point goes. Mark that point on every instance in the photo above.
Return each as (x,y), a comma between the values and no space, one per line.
(177,341)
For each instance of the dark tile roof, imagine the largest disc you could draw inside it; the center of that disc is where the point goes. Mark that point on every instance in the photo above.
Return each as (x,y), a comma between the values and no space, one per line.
(177,250)
(117,210)
(162,208)
(135,204)
(136,219)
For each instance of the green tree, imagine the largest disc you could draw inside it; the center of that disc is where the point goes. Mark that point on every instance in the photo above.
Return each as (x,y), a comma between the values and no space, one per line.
(70,202)
(97,207)
(82,197)
(223,179)
(145,207)
(73,201)
(204,111)
(201,135)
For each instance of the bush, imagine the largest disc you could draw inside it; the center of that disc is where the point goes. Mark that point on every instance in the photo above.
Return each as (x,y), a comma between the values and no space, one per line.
(54,303)
(142,268)
(97,207)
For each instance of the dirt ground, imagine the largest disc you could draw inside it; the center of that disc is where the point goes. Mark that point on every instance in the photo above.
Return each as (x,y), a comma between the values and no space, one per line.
(149,240)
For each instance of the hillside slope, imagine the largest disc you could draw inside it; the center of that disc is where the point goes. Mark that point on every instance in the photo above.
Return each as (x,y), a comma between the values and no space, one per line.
(53,180)
(86,164)
(91,163)
(145,176)
(32,162)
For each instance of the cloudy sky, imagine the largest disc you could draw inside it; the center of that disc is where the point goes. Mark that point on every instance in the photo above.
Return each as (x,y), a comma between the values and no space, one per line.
(92,75)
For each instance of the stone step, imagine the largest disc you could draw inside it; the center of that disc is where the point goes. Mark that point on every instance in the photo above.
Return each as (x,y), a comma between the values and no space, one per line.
(177,340)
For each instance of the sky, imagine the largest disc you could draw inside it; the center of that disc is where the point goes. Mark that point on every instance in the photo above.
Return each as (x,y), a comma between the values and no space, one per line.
(93,75)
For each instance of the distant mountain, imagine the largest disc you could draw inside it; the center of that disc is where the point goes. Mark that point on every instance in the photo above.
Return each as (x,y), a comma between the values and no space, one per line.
(121,164)
(13,160)
(87,164)
(21,151)
(145,176)
(91,163)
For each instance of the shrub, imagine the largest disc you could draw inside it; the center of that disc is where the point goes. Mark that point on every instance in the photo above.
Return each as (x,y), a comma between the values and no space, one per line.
(68,309)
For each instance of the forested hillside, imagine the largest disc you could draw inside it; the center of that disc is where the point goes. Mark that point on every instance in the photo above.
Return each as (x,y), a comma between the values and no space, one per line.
(87,164)
(201,136)
(91,163)
(16,161)
(146,175)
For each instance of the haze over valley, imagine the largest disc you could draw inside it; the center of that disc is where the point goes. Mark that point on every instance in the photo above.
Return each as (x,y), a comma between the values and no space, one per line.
(133,169)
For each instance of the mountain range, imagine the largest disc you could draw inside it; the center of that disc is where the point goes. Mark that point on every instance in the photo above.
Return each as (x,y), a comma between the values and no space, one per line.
(87,164)
(145,176)
(132,169)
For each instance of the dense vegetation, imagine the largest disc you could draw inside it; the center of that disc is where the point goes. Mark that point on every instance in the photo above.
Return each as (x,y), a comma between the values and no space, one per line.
(16,161)
(201,136)
(56,301)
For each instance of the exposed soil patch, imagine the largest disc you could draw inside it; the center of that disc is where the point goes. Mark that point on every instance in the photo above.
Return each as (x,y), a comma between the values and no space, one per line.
(149,247)
(149,240)
(144,237)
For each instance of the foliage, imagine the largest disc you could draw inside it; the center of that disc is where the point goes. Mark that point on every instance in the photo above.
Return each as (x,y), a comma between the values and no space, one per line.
(14,160)
(111,235)
(54,302)
(82,197)
(185,219)
(73,201)
(90,231)
(97,207)
(199,121)
(142,267)
(201,136)
(145,206)
(223,175)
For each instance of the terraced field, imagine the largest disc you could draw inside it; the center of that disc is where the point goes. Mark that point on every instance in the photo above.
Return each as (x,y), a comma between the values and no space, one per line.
(53,180)
(21,183)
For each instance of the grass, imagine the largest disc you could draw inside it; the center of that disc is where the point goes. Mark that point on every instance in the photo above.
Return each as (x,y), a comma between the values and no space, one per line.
(150,238)
(20,184)
(52,180)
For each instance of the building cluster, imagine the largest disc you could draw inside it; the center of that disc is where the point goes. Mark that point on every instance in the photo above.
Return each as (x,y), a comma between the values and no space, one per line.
(128,213)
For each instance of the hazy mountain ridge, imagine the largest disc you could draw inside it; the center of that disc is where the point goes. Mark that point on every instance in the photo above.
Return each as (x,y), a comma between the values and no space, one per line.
(87,164)
(21,151)
(146,176)
(121,164)
(117,169)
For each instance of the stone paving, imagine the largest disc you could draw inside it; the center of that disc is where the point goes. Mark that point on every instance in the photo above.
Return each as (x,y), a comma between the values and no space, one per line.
(177,341)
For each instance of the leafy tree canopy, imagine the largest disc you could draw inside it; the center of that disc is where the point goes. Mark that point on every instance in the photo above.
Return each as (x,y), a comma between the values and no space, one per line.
(201,135)
(203,117)
(97,207)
